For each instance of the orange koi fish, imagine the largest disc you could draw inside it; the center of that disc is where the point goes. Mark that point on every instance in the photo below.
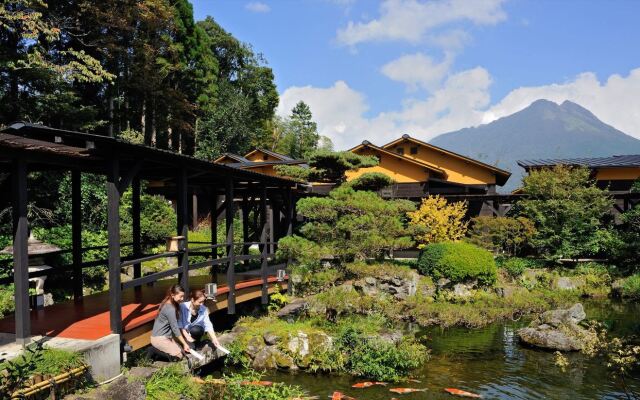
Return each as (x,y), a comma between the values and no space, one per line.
(341,396)
(362,385)
(406,390)
(462,393)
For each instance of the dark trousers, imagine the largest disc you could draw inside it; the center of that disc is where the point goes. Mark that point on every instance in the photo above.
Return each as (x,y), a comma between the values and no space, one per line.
(197,332)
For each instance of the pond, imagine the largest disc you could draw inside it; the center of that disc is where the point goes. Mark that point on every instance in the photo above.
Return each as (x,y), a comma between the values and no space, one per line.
(492,363)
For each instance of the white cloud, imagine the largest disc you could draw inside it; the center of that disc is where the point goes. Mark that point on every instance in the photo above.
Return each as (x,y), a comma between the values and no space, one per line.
(418,70)
(257,7)
(462,100)
(614,101)
(411,20)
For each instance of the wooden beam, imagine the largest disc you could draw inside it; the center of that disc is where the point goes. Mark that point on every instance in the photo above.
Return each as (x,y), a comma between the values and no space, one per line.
(183,227)
(125,181)
(20,252)
(113,231)
(245,222)
(231,275)
(194,211)
(76,232)
(213,224)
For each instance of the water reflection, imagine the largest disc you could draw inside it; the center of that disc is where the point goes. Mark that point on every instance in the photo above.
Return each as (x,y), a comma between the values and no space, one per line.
(491,362)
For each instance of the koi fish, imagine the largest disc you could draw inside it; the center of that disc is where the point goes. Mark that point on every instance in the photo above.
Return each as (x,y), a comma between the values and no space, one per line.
(406,390)
(462,393)
(257,383)
(341,396)
(362,385)
(413,380)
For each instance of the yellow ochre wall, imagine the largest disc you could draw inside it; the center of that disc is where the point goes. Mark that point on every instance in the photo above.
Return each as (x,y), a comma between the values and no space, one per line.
(457,170)
(400,171)
(263,169)
(258,157)
(612,174)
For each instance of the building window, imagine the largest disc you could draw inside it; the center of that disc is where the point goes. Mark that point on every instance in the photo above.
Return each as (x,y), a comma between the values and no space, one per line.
(400,150)
(414,150)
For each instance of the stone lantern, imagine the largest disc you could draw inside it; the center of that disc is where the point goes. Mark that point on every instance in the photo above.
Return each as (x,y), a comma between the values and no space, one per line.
(37,251)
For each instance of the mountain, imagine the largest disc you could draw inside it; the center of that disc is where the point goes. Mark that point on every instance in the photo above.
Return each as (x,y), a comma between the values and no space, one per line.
(542,130)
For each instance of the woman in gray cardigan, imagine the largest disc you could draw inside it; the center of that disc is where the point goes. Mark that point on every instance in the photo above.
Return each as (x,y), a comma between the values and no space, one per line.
(165,327)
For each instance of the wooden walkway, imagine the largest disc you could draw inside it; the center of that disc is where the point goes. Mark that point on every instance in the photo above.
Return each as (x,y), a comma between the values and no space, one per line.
(89,318)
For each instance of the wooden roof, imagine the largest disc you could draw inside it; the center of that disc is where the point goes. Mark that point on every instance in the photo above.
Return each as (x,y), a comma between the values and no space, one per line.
(622,161)
(367,144)
(281,157)
(501,175)
(45,148)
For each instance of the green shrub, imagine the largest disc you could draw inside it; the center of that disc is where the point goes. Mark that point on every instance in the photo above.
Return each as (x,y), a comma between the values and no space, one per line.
(458,261)
(502,234)
(631,287)
(515,266)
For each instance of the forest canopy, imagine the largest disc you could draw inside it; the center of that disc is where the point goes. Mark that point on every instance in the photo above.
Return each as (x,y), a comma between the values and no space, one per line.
(141,70)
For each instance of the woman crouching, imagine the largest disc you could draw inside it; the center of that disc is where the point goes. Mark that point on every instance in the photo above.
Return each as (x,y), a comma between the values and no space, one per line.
(195,321)
(165,328)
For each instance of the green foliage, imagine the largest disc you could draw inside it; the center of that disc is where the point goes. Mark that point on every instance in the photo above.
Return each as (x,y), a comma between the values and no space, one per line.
(236,390)
(372,181)
(300,137)
(157,217)
(436,220)
(15,373)
(628,241)
(277,301)
(631,287)
(502,235)
(515,266)
(313,278)
(568,211)
(328,166)
(352,224)
(7,303)
(458,262)
(171,382)
(36,360)
(299,249)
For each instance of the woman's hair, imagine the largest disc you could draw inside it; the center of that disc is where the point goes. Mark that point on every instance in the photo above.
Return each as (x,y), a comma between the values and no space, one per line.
(172,291)
(196,294)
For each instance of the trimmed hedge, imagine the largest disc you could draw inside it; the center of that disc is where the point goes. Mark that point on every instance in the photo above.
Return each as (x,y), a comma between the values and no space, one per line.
(458,261)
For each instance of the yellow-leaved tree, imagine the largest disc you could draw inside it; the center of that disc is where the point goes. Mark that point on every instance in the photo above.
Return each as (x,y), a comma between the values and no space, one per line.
(438,221)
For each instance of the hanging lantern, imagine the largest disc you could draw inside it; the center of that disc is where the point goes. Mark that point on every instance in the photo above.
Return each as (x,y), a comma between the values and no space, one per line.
(210,290)
(281,274)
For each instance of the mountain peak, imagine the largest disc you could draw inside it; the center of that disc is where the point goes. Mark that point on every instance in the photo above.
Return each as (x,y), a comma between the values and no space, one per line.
(544,129)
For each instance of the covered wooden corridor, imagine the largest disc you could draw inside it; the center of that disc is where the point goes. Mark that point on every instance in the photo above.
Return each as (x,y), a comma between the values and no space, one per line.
(264,204)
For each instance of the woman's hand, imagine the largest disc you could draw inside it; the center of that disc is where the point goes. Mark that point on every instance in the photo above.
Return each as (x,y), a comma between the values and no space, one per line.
(189,338)
(186,348)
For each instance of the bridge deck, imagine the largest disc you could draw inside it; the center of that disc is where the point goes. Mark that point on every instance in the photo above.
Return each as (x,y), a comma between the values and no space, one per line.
(88,318)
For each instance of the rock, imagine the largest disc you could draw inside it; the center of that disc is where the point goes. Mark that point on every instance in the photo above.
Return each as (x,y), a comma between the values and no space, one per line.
(397,281)
(393,337)
(299,344)
(143,373)
(558,330)
(557,318)
(284,361)
(254,345)
(462,290)
(442,283)
(265,359)
(320,341)
(569,282)
(506,291)
(125,389)
(371,281)
(294,309)
(270,338)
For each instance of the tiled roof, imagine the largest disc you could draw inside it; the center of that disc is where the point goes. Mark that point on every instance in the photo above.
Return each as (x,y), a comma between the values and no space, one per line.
(632,160)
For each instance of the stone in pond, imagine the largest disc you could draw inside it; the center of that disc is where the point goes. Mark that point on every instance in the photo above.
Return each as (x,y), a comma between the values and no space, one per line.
(558,330)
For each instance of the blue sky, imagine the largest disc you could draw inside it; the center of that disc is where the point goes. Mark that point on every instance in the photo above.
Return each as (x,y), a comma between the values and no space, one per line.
(376,70)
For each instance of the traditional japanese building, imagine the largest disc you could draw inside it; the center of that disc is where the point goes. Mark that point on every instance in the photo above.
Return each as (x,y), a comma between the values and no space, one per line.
(258,160)
(615,173)
(420,169)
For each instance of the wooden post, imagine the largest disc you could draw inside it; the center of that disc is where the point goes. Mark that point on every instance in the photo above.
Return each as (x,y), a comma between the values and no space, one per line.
(194,211)
(76,232)
(265,247)
(213,223)
(20,252)
(231,274)
(183,227)
(136,231)
(113,230)
(289,230)
(245,223)
(270,224)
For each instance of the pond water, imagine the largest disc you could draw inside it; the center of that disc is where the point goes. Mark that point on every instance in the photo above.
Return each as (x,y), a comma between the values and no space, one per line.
(492,363)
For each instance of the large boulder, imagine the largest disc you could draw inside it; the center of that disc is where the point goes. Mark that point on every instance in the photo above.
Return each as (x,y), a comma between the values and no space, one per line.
(569,282)
(558,330)
(294,309)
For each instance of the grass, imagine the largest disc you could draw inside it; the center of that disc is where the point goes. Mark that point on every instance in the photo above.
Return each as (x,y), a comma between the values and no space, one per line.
(631,287)
(170,383)
(235,390)
(53,362)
